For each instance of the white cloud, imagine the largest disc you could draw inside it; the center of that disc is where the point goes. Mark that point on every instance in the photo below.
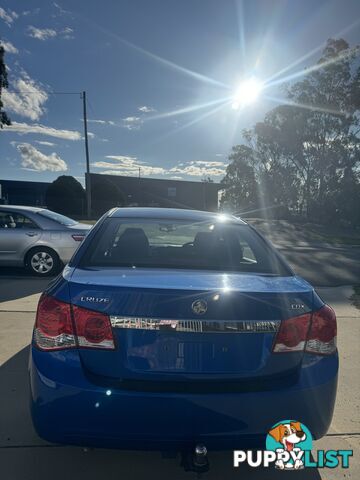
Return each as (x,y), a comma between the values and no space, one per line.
(200,168)
(61,11)
(219,154)
(30,102)
(205,163)
(132,123)
(46,144)
(58,7)
(24,128)
(47,33)
(145,109)
(9,47)
(126,165)
(145,170)
(129,166)
(124,159)
(99,121)
(115,172)
(33,159)
(194,171)
(67,33)
(102,122)
(8,16)
(41,33)
(34,11)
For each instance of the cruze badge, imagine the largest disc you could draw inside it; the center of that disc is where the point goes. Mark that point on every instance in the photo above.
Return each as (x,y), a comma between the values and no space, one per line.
(95,299)
(199,307)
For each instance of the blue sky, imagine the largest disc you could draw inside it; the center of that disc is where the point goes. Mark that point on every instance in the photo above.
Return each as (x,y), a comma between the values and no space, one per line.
(159,76)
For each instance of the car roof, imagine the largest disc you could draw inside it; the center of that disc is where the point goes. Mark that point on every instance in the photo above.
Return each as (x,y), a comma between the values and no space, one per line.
(21,207)
(170,213)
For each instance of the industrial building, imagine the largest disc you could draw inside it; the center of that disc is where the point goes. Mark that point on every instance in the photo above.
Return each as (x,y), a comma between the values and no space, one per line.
(17,192)
(108,191)
(152,192)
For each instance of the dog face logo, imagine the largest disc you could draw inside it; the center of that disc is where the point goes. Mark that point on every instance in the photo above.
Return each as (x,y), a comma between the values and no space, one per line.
(289,436)
(199,307)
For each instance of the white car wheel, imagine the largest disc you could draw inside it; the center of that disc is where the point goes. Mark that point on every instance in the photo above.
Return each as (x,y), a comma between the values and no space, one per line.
(42,262)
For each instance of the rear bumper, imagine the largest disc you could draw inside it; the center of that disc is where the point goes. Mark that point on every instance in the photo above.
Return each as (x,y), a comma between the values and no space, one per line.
(67,408)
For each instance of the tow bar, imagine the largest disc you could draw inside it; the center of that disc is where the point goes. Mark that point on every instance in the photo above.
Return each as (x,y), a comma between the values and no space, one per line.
(196,460)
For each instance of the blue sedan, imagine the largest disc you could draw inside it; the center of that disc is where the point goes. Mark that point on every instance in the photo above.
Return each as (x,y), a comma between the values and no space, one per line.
(170,328)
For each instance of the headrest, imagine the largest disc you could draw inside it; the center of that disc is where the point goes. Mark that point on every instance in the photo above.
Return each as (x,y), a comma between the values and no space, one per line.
(225,248)
(133,243)
(131,233)
(205,240)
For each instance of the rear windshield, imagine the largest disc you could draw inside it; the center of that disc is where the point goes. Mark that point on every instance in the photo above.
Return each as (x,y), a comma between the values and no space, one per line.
(56,217)
(181,245)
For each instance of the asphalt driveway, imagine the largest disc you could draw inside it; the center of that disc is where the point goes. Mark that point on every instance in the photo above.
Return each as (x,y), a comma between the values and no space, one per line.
(321,263)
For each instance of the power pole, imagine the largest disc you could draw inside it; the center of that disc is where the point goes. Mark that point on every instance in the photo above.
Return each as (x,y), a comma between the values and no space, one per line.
(87,174)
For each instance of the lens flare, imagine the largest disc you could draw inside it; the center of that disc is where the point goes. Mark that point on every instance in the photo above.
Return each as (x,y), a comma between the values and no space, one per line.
(247,92)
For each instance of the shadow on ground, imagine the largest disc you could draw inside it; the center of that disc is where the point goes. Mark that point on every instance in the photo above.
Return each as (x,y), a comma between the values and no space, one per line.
(23,455)
(18,283)
(322,264)
(325,267)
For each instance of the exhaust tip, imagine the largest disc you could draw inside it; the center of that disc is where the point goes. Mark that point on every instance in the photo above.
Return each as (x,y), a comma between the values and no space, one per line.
(200,455)
(200,450)
(195,460)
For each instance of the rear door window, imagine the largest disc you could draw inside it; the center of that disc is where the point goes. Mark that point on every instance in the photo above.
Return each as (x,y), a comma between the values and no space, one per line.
(16,220)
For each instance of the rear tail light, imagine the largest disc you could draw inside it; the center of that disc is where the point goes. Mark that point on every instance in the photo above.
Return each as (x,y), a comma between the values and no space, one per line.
(322,335)
(93,329)
(314,333)
(78,237)
(59,326)
(292,333)
(53,326)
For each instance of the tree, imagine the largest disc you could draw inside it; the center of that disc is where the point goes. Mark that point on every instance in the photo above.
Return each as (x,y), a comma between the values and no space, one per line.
(240,186)
(307,150)
(4,119)
(274,171)
(344,199)
(66,195)
(105,194)
(325,120)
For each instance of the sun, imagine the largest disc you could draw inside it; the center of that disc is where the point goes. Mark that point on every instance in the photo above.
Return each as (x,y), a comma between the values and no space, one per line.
(247,92)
